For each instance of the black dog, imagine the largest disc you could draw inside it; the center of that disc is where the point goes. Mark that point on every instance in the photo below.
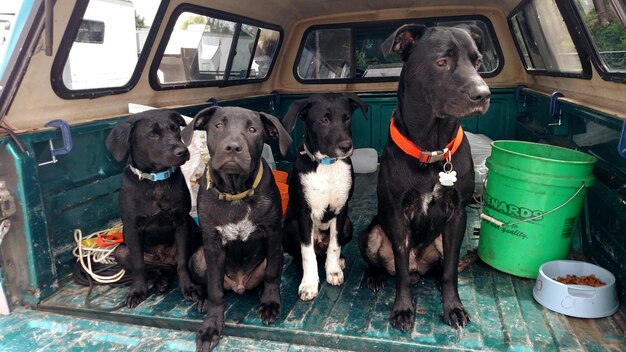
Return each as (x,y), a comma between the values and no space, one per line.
(154,200)
(421,209)
(239,207)
(320,187)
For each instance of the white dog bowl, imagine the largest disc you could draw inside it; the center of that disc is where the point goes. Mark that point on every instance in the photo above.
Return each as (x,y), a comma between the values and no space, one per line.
(575,300)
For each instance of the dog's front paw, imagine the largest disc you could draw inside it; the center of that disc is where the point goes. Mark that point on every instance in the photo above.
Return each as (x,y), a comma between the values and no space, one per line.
(402,318)
(191,291)
(209,334)
(335,278)
(137,294)
(269,312)
(375,279)
(308,290)
(202,305)
(455,315)
(161,284)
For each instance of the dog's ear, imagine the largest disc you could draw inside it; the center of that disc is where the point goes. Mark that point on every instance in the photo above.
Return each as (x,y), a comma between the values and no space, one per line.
(199,122)
(177,118)
(356,102)
(476,33)
(403,40)
(275,129)
(118,139)
(298,108)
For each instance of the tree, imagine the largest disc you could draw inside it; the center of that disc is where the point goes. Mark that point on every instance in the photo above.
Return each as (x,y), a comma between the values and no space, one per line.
(608,33)
(198,19)
(140,22)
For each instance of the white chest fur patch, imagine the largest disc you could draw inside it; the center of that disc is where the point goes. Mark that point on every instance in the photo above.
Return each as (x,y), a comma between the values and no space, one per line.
(429,197)
(327,187)
(236,231)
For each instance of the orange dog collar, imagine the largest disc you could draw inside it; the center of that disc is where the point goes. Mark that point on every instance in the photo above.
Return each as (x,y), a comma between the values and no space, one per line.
(423,155)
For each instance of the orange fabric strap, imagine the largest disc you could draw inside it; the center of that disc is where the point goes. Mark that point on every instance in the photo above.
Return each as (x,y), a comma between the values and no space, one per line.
(424,156)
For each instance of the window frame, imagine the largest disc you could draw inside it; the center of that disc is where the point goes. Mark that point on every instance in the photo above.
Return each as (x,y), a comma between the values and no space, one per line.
(579,45)
(220,15)
(62,55)
(428,21)
(569,7)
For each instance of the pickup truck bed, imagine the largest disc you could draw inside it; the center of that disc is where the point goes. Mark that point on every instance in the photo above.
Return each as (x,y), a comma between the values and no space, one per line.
(351,317)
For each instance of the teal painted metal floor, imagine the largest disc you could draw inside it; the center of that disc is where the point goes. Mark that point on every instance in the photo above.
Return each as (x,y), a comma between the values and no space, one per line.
(30,331)
(504,314)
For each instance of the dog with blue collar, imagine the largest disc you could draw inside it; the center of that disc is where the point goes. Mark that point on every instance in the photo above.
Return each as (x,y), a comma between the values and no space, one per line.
(317,222)
(154,202)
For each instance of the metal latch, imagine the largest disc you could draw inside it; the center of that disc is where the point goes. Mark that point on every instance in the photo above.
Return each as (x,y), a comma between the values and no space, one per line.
(7,202)
(67,140)
(519,94)
(555,110)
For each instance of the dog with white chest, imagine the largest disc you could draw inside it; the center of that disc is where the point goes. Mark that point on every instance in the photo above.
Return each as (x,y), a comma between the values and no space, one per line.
(321,184)
(239,208)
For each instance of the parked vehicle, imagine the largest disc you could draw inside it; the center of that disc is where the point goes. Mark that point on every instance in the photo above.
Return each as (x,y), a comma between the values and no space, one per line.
(557,74)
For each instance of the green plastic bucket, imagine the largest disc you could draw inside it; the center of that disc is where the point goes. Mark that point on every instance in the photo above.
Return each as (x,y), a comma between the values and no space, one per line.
(533,197)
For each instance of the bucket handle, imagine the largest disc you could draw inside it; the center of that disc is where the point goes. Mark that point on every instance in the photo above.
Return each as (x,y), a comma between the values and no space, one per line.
(502,224)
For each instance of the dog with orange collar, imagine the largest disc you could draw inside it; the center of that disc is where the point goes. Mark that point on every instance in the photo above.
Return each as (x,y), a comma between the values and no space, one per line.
(426,173)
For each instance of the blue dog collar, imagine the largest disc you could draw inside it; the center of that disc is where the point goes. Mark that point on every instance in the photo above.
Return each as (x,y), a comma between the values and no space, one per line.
(323,161)
(328,161)
(153,176)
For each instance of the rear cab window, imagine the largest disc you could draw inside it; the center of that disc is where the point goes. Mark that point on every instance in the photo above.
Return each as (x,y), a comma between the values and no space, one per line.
(351,52)
(209,48)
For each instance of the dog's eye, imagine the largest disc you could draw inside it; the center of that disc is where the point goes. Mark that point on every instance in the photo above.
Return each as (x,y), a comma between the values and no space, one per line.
(252,129)
(219,125)
(325,120)
(153,135)
(346,117)
(442,62)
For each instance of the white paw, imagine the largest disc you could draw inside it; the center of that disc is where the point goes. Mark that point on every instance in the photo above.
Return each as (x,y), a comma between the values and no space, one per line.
(308,290)
(335,277)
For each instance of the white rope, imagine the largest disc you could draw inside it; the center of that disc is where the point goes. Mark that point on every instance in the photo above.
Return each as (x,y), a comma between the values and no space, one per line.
(85,254)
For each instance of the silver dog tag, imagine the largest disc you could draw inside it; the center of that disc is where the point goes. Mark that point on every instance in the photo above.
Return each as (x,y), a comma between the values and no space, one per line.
(447,177)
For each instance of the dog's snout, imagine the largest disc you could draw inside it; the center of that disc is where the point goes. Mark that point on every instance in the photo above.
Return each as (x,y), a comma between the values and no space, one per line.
(180,151)
(345,146)
(233,147)
(479,92)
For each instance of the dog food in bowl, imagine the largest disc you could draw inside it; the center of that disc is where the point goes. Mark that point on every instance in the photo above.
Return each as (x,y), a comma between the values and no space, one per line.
(586,280)
(576,299)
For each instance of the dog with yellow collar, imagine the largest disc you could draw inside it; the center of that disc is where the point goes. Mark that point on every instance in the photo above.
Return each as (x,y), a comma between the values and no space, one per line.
(239,208)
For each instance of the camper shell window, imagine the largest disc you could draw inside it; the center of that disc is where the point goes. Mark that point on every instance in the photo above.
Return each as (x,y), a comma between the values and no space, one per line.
(544,42)
(352,52)
(102,50)
(604,24)
(203,47)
